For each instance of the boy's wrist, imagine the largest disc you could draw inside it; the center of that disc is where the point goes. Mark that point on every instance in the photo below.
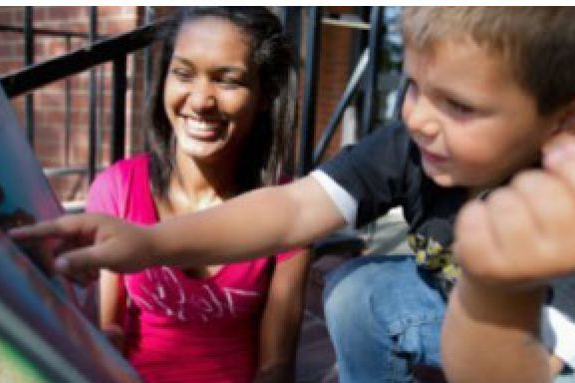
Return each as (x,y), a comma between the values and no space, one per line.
(501,303)
(152,239)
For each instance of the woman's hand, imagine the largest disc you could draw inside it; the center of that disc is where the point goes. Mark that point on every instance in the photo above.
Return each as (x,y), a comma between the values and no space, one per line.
(89,242)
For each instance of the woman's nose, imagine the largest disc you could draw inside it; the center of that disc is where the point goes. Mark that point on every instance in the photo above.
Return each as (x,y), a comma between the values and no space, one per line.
(201,96)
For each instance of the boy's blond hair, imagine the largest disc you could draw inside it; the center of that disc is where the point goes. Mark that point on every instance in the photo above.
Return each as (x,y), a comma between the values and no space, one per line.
(537,42)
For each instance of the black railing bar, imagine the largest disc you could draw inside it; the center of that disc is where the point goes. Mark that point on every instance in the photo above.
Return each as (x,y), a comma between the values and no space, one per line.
(67,110)
(343,103)
(48,32)
(345,23)
(101,111)
(29,60)
(57,68)
(93,129)
(401,90)
(374,41)
(67,171)
(313,31)
(291,20)
(119,82)
(149,15)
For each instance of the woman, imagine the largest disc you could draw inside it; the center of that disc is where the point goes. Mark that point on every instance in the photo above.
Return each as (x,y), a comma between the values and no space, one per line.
(219,126)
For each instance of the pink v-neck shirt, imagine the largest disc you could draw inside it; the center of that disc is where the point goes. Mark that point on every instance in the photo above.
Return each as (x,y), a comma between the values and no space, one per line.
(184,329)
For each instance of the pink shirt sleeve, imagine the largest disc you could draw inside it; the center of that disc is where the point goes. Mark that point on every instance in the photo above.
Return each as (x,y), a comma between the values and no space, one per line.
(283,256)
(103,194)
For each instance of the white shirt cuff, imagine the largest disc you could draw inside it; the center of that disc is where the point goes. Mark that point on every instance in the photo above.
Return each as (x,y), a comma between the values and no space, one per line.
(345,203)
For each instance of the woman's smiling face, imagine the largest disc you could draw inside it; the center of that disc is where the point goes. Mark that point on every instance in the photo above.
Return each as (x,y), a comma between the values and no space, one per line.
(212,90)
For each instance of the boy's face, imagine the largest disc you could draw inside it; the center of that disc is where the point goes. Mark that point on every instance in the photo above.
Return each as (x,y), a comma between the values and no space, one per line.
(473,124)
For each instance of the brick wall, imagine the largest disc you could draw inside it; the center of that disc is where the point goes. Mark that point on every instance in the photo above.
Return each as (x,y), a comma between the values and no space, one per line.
(334,70)
(50,114)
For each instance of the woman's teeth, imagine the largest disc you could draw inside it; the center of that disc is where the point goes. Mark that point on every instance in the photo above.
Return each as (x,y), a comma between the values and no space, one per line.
(201,125)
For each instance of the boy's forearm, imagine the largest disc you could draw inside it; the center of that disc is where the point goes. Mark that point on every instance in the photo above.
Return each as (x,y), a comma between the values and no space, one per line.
(490,334)
(258,223)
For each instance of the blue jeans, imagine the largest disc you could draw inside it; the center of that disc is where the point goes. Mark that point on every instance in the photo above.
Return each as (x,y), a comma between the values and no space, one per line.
(384,316)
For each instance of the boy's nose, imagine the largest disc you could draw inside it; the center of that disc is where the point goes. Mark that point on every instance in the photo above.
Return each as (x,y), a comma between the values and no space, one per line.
(419,117)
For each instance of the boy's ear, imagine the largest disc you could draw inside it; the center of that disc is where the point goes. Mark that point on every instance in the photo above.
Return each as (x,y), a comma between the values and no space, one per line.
(566,121)
(563,129)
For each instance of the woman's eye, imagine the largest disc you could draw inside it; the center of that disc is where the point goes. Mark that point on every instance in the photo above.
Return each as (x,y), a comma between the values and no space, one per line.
(181,74)
(231,82)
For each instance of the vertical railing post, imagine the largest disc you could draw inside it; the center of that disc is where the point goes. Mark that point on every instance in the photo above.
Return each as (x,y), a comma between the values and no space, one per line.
(29,60)
(312,47)
(148,62)
(374,43)
(67,110)
(291,20)
(119,82)
(92,144)
(149,15)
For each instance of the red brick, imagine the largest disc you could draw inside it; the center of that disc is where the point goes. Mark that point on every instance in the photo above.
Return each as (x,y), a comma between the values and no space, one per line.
(67,12)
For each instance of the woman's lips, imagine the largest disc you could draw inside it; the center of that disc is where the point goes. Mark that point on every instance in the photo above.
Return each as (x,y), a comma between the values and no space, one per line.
(202,129)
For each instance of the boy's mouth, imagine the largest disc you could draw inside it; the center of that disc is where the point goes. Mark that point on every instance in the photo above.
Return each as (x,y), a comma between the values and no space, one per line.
(432,157)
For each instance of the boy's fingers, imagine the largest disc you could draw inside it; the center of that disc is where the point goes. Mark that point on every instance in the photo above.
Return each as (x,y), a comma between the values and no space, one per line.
(566,172)
(510,222)
(80,264)
(60,227)
(559,150)
(552,218)
(38,230)
(474,240)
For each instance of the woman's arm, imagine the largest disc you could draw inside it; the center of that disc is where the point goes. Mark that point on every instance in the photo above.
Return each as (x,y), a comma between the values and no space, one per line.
(112,307)
(281,320)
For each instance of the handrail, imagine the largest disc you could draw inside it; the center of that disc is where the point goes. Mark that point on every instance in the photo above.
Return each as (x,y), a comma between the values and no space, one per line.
(77,61)
(47,32)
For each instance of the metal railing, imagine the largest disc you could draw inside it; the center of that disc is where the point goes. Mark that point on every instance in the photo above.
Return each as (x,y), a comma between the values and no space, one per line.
(116,49)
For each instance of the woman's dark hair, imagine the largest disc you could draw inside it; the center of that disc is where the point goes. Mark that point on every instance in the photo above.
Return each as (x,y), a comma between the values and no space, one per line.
(265,148)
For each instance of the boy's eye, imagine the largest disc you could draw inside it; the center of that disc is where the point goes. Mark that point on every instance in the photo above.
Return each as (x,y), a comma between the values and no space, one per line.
(411,89)
(411,85)
(459,107)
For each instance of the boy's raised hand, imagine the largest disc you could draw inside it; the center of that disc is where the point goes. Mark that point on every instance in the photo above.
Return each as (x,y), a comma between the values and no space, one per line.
(524,233)
(89,242)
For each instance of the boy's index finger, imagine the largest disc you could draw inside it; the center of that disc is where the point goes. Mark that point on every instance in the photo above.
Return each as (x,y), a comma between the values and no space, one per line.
(83,261)
(475,246)
(66,226)
(38,230)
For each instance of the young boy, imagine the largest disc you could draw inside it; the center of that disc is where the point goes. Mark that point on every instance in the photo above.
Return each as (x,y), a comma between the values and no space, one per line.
(488,88)
(508,261)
